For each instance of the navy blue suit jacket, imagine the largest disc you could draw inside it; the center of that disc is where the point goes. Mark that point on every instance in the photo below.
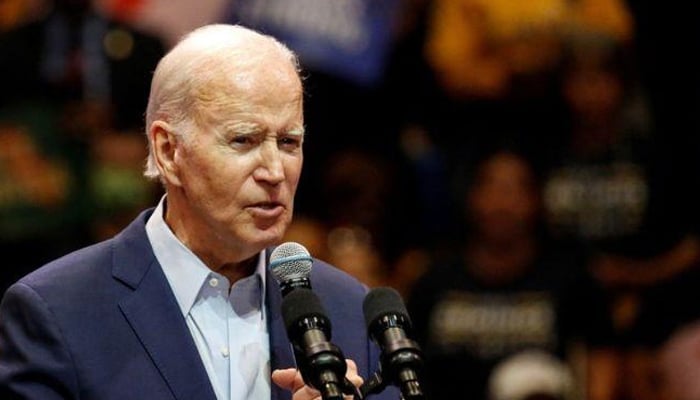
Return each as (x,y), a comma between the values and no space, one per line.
(102,323)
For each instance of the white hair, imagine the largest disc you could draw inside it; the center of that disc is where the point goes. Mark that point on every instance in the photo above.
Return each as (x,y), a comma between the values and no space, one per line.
(195,71)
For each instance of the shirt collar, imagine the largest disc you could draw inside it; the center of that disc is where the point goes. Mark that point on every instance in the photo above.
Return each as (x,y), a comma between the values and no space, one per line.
(185,272)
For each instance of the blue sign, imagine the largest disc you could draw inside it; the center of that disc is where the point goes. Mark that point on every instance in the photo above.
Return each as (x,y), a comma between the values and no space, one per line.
(346,38)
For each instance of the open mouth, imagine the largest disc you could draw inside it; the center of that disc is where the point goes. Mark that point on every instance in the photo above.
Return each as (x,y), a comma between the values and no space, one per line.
(266,209)
(267,205)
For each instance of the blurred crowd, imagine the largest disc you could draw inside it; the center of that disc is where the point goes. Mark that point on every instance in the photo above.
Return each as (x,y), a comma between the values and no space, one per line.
(525,173)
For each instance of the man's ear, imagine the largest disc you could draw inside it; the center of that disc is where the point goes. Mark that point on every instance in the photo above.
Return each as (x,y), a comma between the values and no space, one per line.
(164,143)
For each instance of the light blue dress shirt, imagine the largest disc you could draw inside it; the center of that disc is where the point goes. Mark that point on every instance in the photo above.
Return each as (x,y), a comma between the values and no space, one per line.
(228,323)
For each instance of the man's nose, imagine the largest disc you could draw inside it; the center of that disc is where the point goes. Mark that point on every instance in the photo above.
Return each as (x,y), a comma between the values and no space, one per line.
(270,169)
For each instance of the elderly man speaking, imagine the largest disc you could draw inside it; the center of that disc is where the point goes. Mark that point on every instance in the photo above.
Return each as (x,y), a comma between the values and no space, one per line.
(180,304)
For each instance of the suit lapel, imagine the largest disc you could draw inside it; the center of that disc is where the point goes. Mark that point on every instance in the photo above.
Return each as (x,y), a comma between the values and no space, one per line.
(153,313)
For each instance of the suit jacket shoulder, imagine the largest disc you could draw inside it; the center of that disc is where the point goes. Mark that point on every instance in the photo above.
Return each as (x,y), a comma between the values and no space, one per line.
(99,323)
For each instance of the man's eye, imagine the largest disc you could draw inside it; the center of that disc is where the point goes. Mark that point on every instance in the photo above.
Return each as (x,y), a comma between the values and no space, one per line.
(289,142)
(243,141)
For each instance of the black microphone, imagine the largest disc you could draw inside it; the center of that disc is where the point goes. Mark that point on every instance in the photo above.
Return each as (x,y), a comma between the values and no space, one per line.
(321,363)
(401,361)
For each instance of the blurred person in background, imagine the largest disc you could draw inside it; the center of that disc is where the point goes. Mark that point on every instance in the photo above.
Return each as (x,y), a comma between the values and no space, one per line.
(509,288)
(615,190)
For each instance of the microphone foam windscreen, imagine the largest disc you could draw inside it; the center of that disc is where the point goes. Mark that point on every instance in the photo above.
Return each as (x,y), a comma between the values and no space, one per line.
(382,301)
(290,261)
(301,303)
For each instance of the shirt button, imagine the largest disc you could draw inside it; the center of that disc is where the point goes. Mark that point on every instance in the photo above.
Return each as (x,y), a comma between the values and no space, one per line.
(224,352)
(213,282)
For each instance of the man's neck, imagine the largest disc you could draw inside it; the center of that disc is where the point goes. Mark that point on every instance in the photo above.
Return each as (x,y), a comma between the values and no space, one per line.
(223,260)
(236,271)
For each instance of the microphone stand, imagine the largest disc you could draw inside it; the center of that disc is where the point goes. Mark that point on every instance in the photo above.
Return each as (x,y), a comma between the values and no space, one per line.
(326,362)
(376,384)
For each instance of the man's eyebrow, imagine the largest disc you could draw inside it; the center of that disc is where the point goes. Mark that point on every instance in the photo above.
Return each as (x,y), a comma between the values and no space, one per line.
(296,131)
(253,128)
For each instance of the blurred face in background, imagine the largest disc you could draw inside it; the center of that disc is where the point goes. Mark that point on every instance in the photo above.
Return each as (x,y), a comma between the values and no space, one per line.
(503,202)
(593,93)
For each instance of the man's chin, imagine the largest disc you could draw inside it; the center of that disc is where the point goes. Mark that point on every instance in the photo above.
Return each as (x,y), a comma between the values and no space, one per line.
(269,237)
